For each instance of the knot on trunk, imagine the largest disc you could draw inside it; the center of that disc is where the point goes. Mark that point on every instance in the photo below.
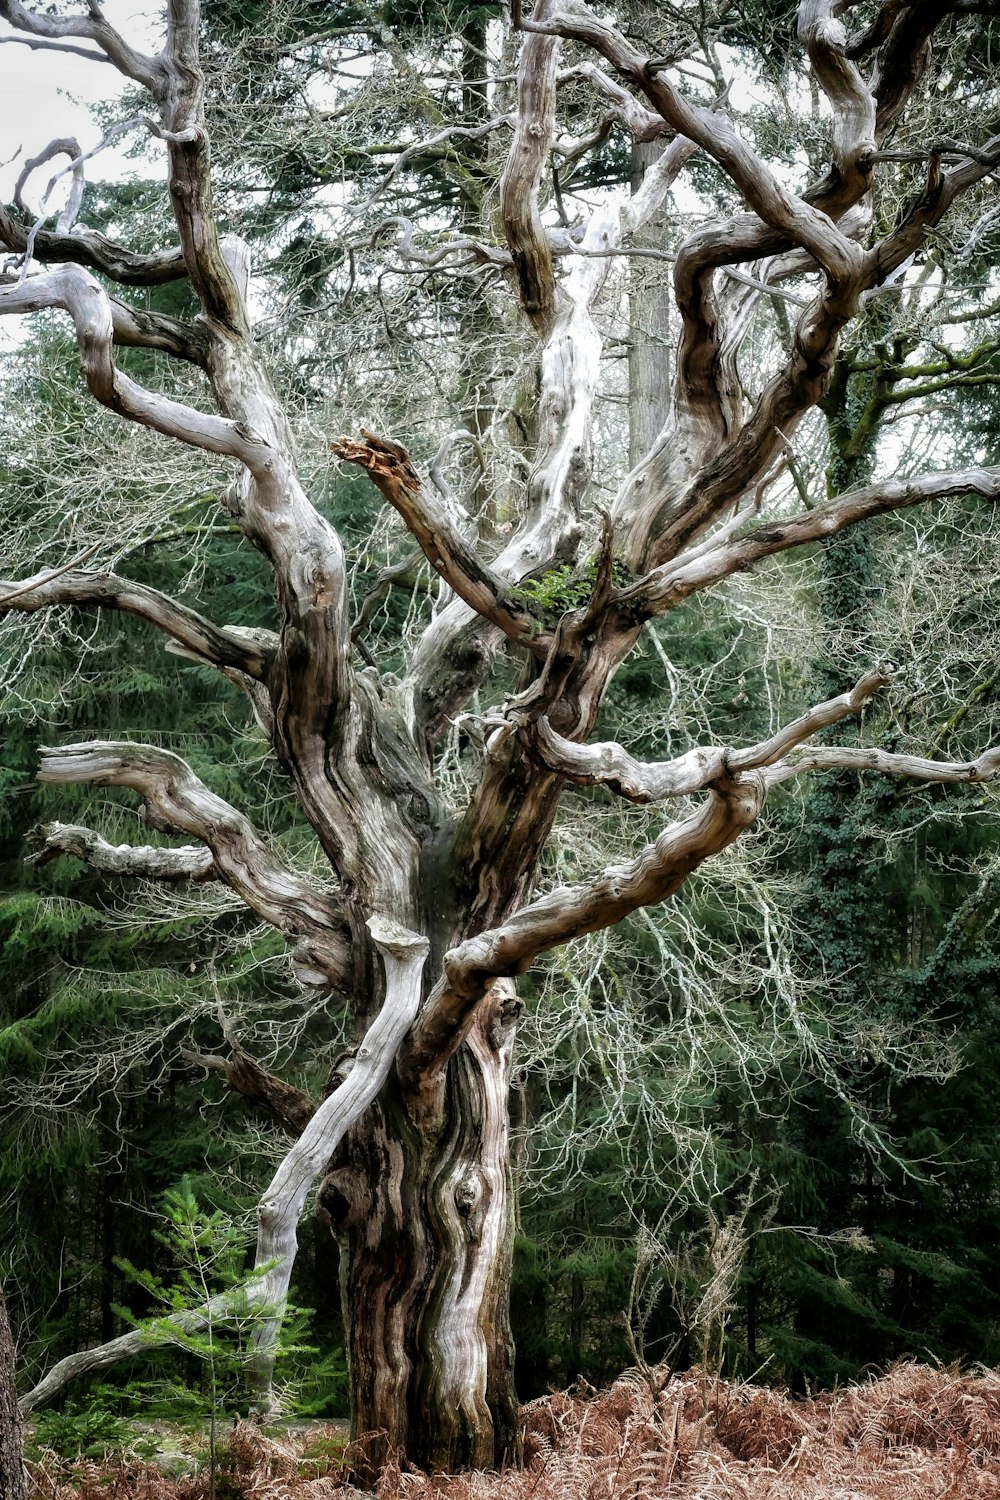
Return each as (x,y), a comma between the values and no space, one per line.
(469,1196)
(502,1011)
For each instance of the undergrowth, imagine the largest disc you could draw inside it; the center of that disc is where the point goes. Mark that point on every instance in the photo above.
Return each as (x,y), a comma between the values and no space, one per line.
(912,1434)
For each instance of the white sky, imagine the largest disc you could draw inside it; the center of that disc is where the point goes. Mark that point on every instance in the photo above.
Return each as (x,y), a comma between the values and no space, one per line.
(45,95)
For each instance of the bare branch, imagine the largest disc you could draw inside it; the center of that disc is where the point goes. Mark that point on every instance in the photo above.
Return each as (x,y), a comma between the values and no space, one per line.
(78,293)
(404,955)
(852,105)
(641,124)
(201,639)
(802,382)
(820,717)
(138,328)
(446,549)
(95,252)
(93,28)
(176,800)
(126,1346)
(143,862)
(660,498)
(522,176)
(570,911)
(570,365)
(985,767)
(790,216)
(901,32)
(608,764)
(705,565)
(289,1107)
(181,100)
(36,44)
(64,146)
(429,150)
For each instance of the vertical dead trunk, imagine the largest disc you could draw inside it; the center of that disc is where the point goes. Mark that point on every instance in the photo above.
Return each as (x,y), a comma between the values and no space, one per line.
(13,1485)
(425,1225)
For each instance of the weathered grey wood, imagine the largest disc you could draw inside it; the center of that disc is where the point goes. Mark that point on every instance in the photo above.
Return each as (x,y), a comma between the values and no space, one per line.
(203,640)
(177,801)
(52,839)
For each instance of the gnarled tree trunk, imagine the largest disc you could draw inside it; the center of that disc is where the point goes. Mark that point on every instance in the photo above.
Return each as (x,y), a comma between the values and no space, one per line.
(424,1221)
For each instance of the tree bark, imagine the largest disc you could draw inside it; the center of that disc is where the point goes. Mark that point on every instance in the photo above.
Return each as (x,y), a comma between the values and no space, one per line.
(13,1484)
(423,1216)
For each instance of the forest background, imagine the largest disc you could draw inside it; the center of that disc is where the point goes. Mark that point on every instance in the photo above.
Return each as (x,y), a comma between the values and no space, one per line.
(756,1126)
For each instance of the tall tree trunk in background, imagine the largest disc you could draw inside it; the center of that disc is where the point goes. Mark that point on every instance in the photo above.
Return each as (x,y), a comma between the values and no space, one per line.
(649,371)
(13,1485)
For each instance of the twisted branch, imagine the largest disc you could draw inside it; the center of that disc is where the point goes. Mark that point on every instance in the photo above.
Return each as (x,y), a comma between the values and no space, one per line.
(177,801)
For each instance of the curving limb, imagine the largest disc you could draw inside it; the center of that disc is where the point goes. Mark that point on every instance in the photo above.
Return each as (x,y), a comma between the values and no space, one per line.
(63,146)
(180,97)
(527,237)
(314,703)
(76,291)
(219,646)
(985,767)
(177,801)
(137,328)
(288,1106)
(716,559)
(899,38)
(92,28)
(403,954)
(800,385)
(642,124)
(175,81)
(570,357)
(732,805)
(845,706)
(790,216)
(608,764)
(705,458)
(94,251)
(39,44)
(736,782)
(852,103)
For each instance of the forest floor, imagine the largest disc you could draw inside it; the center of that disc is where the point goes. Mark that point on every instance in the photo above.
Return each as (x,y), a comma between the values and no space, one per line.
(915,1433)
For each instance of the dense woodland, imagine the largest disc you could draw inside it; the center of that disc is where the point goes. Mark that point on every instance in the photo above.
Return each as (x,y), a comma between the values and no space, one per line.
(753,1126)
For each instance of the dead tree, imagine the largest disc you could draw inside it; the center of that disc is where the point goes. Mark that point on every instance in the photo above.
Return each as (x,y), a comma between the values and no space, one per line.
(434,914)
